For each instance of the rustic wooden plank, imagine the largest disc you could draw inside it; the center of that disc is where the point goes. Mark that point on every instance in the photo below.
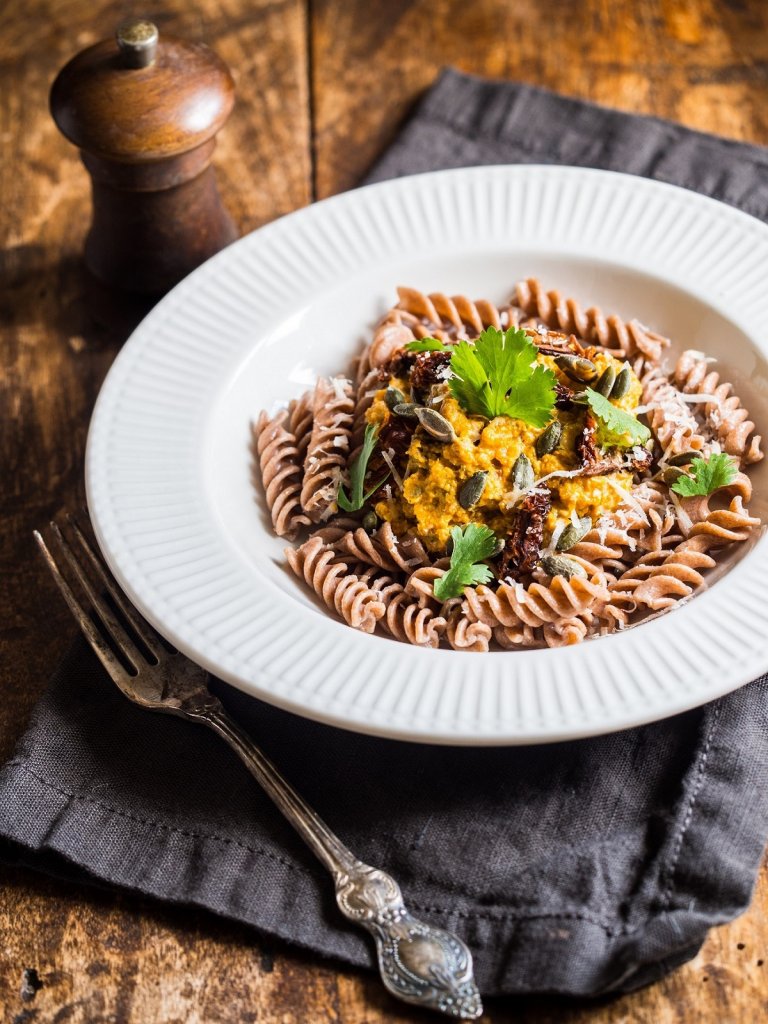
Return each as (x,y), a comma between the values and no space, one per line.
(54,354)
(103,956)
(698,61)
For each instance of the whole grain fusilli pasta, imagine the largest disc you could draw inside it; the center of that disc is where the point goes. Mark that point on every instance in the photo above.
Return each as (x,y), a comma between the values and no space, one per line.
(405,618)
(384,548)
(722,411)
(564,314)
(280,461)
(585,521)
(328,447)
(343,592)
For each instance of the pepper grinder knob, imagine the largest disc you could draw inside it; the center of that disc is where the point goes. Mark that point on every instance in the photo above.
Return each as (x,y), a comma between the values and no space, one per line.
(137,40)
(144,112)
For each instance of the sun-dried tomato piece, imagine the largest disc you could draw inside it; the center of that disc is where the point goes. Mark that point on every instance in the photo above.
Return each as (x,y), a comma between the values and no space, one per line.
(430,368)
(563,396)
(555,343)
(394,439)
(399,363)
(396,435)
(522,547)
(586,445)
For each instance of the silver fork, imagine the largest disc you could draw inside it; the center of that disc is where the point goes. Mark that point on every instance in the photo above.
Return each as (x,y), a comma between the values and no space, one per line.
(418,963)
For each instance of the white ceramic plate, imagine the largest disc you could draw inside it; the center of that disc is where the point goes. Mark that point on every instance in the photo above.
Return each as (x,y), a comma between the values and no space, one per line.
(168,468)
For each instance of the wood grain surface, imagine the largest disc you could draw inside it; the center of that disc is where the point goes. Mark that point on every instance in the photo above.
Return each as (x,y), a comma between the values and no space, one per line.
(322,86)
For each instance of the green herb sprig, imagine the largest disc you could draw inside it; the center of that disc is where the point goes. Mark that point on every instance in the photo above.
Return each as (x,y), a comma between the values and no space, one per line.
(706,475)
(498,376)
(427,345)
(615,428)
(470,546)
(357,471)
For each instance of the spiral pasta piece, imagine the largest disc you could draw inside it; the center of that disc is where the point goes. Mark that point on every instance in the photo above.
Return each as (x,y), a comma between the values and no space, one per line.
(643,523)
(724,414)
(391,333)
(658,583)
(697,508)
(629,337)
(420,583)
(464,634)
(405,618)
(513,603)
(280,463)
(449,318)
(731,525)
(328,447)
(384,548)
(514,637)
(670,417)
(300,417)
(343,592)
(564,632)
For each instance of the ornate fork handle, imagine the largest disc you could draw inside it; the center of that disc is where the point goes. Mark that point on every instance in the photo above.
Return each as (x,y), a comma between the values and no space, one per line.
(418,962)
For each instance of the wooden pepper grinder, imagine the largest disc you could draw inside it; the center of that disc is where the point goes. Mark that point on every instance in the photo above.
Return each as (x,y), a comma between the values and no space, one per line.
(144,112)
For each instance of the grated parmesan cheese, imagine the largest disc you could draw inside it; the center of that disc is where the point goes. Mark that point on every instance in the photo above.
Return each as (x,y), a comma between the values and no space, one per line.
(556,534)
(685,521)
(696,397)
(628,497)
(388,458)
(340,385)
(569,473)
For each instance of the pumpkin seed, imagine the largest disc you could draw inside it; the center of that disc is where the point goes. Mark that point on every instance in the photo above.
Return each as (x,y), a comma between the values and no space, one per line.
(671,474)
(572,534)
(606,381)
(394,397)
(550,439)
(577,367)
(406,409)
(622,384)
(522,473)
(471,490)
(435,424)
(683,458)
(370,521)
(498,547)
(561,565)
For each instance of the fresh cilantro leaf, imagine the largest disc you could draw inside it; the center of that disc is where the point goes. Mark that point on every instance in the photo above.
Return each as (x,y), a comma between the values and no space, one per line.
(615,428)
(357,472)
(706,475)
(427,345)
(469,383)
(470,546)
(498,376)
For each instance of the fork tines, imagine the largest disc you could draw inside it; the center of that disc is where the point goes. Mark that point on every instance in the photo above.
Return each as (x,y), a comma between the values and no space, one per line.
(113,628)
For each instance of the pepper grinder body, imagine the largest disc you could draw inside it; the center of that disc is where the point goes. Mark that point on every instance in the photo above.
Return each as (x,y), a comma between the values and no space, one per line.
(146,133)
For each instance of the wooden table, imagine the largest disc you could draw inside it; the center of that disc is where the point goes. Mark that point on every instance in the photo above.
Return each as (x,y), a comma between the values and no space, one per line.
(322,88)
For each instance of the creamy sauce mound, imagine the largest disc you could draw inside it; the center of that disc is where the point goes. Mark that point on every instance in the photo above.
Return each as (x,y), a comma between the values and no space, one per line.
(428,503)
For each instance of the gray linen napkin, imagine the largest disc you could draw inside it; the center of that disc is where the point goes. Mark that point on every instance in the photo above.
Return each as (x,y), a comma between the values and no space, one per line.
(581,868)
